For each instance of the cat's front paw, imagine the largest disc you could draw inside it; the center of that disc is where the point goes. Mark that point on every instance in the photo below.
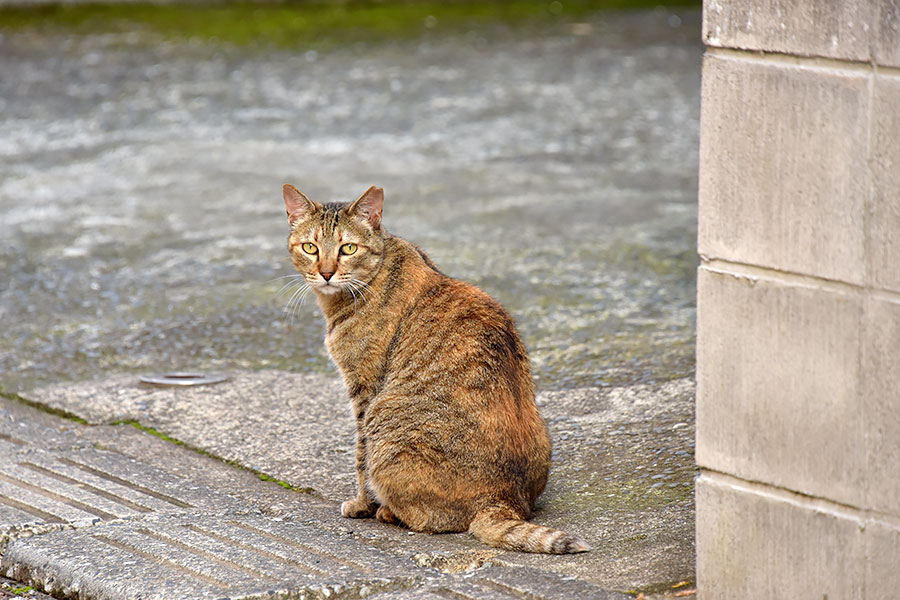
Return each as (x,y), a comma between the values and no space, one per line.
(385,515)
(357,509)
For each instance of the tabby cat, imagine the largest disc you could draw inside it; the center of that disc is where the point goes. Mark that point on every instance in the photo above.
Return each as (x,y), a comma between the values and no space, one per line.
(448,434)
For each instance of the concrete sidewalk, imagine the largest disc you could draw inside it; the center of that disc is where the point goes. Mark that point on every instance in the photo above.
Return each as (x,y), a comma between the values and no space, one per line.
(111,511)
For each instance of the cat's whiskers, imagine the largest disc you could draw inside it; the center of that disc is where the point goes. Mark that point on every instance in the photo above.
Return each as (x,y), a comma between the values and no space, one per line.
(345,283)
(295,280)
(291,276)
(296,301)
(294,286)
(349,286)
(359,289)
(364,288)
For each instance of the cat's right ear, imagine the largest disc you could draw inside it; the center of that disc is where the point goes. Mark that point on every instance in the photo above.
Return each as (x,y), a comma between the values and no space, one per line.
(368,206)
(298,206)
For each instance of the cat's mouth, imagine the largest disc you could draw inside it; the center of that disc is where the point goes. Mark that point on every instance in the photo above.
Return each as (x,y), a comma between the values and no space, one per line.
(329,287)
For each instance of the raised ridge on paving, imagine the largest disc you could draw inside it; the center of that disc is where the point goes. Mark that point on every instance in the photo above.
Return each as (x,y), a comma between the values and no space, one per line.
(48,477)
(202,555)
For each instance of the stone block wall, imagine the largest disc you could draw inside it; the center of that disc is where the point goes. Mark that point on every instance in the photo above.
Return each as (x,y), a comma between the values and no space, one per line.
(798,327)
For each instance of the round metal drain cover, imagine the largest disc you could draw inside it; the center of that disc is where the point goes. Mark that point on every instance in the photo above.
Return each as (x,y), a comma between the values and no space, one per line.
(184,378)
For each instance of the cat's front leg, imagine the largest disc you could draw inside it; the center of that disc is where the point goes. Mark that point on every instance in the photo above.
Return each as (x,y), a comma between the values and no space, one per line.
(363,505)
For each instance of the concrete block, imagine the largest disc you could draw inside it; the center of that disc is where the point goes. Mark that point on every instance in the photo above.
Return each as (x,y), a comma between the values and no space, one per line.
(831,29)
(752,544)
(887,48)
(884,219)
(882,558)
(778,385)
(880,379)
(783,172)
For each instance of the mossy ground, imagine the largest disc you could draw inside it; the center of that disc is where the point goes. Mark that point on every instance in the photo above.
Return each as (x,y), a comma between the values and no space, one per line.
(301,24)
(152,431)
(53,411)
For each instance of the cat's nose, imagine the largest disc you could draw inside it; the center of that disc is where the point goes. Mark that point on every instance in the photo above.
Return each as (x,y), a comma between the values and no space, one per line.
(326,275)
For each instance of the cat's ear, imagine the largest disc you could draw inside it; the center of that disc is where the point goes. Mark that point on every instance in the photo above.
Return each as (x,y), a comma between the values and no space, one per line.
(297,205)
(368,206)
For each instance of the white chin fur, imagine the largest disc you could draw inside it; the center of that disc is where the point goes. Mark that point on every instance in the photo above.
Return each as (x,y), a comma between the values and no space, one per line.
(328,289)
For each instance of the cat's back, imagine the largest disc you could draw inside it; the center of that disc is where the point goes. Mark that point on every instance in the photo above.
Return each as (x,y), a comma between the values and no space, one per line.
(459,340)
(458,307)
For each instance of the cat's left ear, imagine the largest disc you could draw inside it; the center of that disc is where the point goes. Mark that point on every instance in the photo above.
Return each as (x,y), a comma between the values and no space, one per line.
(368,206)
(296,203)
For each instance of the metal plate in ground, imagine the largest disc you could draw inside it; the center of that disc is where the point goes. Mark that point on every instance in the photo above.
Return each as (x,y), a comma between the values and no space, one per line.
(184,378)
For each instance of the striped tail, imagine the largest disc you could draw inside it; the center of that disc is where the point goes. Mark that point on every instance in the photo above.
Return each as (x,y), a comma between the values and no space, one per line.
(499,528)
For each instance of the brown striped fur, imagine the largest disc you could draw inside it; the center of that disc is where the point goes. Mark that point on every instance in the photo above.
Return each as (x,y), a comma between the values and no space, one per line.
(448,434)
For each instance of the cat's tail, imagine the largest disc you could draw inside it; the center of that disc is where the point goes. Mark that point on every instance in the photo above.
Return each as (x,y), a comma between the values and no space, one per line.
(499,527)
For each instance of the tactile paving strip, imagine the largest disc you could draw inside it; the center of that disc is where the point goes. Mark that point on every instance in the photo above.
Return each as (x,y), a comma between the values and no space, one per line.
(202,555)
(82,486)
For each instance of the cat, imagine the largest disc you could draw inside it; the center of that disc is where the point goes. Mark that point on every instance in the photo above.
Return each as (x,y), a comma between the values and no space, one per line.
(449,438)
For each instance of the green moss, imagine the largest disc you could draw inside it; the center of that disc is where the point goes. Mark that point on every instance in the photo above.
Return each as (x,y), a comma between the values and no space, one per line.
(307,24)
(177,442)
(285,484)
(637,495)
(636,354)
(663,588)
(21,591)
(157,433)
(42,407)
(632,496)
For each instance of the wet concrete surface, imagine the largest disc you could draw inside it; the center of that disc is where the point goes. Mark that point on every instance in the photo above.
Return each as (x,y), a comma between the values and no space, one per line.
(142,227)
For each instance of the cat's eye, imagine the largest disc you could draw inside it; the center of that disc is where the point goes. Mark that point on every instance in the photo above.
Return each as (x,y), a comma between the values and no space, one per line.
(348,249)
(310,248)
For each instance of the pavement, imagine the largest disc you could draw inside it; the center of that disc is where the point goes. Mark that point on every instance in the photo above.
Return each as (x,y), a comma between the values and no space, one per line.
(118,489)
